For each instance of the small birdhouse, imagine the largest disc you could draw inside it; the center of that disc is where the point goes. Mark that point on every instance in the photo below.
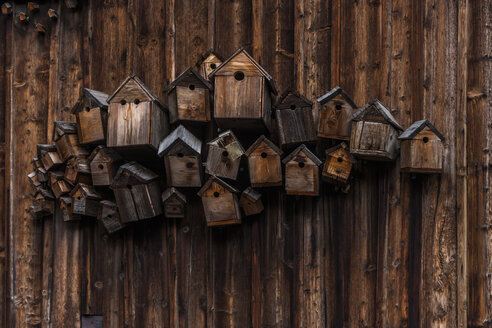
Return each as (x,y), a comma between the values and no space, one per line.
(137,192)
(85,200)
(265,168)
(66,210)
(251,202)
(58,185)
(224,156)
(6,8)
(181,151)
(336,109)
(338,165)
(189,98)
(294,118)
(421,148)
(375,133)
(109,216)
(174,203)
(242,93)
(78,170)
(104,163)
(91,111)
(208,63)
(137,121)
(302,172)
(49,156)
(42,175)
(43,204)
(33,179)
(36,162)
(67,141)
(220,203)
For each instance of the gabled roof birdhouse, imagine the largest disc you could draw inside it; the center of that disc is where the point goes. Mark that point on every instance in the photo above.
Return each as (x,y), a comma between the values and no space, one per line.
(48,154)
(104,163)
(338,165)
(42,174)
(67,140)
(265,168)
(33,179)
(66,210)
(36,162)
(242,93)
(224,156)
(251,202)
(181,151)
(302,172)
(91,111)
(294,118)
(58,185)
(174,203)
(375,133)
(209,61)
(109,216)
(335,114)
(220,203)
(78,170)
(421,148)
(189,98)
(85,200)
(43,204)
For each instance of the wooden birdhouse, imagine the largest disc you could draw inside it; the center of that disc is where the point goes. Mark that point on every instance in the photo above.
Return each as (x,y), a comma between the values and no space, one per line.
(265,168)
(208,63)
(58,185)
(220,203)
(421,148)
(67,141)
(181,151)
(302,172)
(242,93)
(251,202)
(338,165)
(137,121)
(66,210)
(336,109)
(43,204)
(91,111)
(137,192)
(104,163)
(224,156)
(49,156)
(109,216)
(78,170)
(375,133)
(36,162)
(33,179)
(189,98)
(42,174)
(294,118)
(85,200)
(174,203)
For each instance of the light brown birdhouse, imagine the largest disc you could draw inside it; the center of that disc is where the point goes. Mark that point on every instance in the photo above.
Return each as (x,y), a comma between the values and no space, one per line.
(189,98)
(48,154)
(210,61)
(421,148)
(78,170)
(85,200)
(336,110)
(242,93)
(251,202)
(265,168)
(174,203)
(294,118)
(43,204)
(66,210)
(220,203)
(58,185)
(137,121)
(67,141)
(338,165)
(224,156)
(182,157)
(91,111)
(6,8)
(302,172)
(109,216)
(375,133)
(104,163)
(137,192)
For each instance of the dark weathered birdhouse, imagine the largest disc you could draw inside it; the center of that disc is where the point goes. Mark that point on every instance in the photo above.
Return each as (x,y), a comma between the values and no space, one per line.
(242,93)
(48,154)
(302,172)
(109,216)
(336,109)
(137,121)
(36,162)
(181,151)
(85,200)
(43,204)
(33,179)
(338,165)
(42,174)
(421,148)
(251,202)
(265,168)
(67,141)
(58,185)
(189,98)
(137,192)
(208,63)
(224,156)
(294,118)
(220,203)
(104,163)
(66,210)
(78,170)
(174,203)
(91,111)
(375,133)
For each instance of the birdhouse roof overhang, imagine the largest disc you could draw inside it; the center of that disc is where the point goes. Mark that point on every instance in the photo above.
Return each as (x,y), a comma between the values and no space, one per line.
(170,192)
(341,146)
(381,109)
(133,77)
(333,93)
(108,154)
(92,98)
(60,128)
(306,151)
(189,76)
(258,142)
(133,173)
(294,93)
(417,127)
(45,193)
(222,183)
(88,191)
(45,148)
(183,136)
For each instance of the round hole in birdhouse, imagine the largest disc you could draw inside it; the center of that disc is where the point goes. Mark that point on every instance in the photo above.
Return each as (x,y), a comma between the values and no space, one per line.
(216,194)
(239,76)
(292,107)
(264,155)
(189,165)
(213,66)
(425,140)
(180,155)
(123,102)
(338,107)
(109,216)
(79,197)
(87,109)
(191,87)
(339,159)
(137,101)
(301,164)
(100,166)
(225,153)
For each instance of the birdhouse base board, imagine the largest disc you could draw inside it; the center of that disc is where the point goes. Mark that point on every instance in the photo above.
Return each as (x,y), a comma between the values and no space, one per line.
(223,223)
(422,170)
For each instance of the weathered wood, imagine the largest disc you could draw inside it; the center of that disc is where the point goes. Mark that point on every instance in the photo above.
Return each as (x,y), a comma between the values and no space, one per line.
(174,203)
(302,172)
(104,163)
(338,165)
(85,200)
(78,170)
(6,8)
(67,141)
(208,63)
(336,110)
(66,210)
(109,216)
(58,185)
(91,112)
(251,202)
(220,203)
(265,169)
(224,156)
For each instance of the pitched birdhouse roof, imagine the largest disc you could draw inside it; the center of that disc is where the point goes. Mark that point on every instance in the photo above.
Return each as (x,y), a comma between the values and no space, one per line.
(60,128)
(293,93)
(228,141)
(88,191)
(251,194)
(133,86)
(306,151)
(170,192)
(45,193)
(209,56)
(91,98)
(259,141)
(133,173)
(222,183)
(180,136)
(241,55)
(104,154)
(333,93)
(189,76)
(375,107)
(43,148)
(341,146)
(80,164)
(418,126)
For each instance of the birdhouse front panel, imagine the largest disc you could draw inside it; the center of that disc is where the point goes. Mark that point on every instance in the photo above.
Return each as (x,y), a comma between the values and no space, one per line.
(191,103)
(91,124)
(78,171)
(334,119)
(301,176)
(211,62)
(68,145)
(183,171)
(109,216)
(265,169)
(337,166)
(174,207)
(221,207)
(423,153)
(51,160)
(374,140)
(147,198)
(295,126)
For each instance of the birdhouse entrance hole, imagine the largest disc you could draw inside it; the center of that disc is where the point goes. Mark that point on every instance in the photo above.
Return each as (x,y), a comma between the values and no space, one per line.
(180,155)
(339,159)
(213,66)
(301,164)
(239,76)
(425,140)
(189,165)
(264,155)
(87,109)
(225,153)
(293,107)
(338,107)
(123,102)
(137,101)
(100,166)
(191,87)
(216,194)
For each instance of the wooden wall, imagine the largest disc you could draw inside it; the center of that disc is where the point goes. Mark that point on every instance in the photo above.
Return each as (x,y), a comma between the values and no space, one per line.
(396,251)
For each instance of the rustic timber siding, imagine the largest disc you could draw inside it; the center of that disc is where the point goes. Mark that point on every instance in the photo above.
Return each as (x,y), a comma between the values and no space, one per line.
(393,252)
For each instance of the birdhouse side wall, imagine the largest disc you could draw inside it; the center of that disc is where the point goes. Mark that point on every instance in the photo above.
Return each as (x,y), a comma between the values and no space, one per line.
(374,141)
(91,125)
(51,160)
(60,188)
(295,127)
(160,125)
(147,200)
(126,206)
(84,206)
(183,171)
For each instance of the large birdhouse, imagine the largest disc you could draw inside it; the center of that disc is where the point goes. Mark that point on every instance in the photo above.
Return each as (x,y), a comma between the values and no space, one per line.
(208,63)
(224,156)
(43,204)
(242,93)
(375,133)
(265,168)
(137,121)
(48,154)
(302,172)
(78,170)
(85,200)
(66,210)
(336,109)
(189,98)
(91,111)
(421,148)
(220,203)
(137,192)
(67,141)
(58,185)
(294,118)
(174,203)
(109,216)
(181,151)
(338,165)
(104,163)
(251,202)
